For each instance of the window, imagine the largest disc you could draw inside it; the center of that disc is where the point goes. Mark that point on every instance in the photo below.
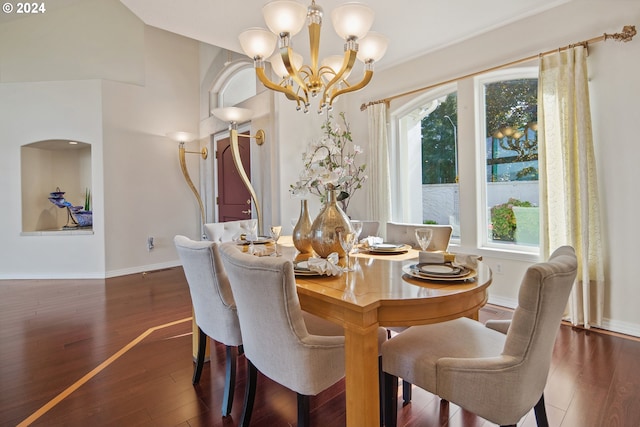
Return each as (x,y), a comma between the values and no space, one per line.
(470,150)
(240,86)
(432,128)
(511,196)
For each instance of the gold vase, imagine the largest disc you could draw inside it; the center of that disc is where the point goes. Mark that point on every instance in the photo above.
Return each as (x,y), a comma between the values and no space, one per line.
(324,237)
(302,230)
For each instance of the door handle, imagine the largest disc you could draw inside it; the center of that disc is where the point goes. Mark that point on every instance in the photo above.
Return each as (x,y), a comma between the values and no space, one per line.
(247,212)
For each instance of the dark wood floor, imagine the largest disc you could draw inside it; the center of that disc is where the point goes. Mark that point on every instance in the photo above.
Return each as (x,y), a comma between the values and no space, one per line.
(62,336)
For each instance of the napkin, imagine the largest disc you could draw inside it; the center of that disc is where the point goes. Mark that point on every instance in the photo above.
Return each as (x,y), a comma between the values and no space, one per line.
(371,241)
(431,257)
(328,266)
(467,260)
(458,260)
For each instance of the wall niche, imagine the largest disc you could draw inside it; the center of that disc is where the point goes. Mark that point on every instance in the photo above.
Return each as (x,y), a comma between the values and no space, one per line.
(45,167)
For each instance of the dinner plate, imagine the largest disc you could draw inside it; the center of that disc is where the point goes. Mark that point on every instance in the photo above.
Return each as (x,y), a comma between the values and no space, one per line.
(388,248)
(437,269)
(414,271)
(262,240)
(302,269)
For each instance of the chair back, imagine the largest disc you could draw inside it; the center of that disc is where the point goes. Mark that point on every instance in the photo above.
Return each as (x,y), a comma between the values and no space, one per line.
(211,296)
(275,336)
(220,232)
(405,233)
(542,299)
(369,228)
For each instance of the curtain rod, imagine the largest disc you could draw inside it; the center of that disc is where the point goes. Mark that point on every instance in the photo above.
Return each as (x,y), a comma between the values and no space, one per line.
(628,31)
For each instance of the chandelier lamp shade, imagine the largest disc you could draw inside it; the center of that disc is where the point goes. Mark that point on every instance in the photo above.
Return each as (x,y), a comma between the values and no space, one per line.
(327,79)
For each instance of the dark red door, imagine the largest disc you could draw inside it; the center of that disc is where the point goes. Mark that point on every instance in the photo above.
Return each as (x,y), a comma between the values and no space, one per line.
(234,200)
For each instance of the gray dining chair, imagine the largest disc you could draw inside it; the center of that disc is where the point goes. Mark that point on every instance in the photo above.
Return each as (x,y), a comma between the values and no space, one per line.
(405,233)
(214,308)
(294,348)
(496,376)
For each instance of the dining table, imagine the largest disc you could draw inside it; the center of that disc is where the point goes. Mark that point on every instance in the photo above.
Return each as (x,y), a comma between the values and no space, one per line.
(380,291)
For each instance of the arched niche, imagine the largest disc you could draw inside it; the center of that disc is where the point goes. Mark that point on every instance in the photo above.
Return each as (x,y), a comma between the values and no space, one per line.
(46,166)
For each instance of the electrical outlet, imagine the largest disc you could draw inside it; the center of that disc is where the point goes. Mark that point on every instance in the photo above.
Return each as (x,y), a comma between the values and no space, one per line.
(149,243)
(498,268)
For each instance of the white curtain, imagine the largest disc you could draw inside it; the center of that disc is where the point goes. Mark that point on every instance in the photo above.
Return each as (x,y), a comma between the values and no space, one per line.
(570,213)
(379,179)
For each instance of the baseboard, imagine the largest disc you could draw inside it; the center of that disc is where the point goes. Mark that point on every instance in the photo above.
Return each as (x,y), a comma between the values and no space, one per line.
(68,275)
(503,302)
(142,269)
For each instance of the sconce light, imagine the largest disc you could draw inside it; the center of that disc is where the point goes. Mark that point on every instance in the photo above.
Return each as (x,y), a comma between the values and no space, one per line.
(235,115)
(182,138)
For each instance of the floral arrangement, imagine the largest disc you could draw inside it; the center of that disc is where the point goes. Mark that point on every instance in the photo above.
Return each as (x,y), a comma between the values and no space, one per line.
(330,163)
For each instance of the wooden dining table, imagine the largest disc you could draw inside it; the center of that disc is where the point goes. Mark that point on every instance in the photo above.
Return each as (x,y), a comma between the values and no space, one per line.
(379,293)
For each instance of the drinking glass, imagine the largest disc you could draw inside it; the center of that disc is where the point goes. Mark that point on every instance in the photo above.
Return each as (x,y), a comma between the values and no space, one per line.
(423,236)
(275,231)
(356,226)
(347,241)
(252,234)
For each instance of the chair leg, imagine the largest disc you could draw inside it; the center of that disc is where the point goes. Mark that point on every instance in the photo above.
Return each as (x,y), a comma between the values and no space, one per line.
(381,390)
(202,346)
(390,400)
(541,413)
(304,410)
(249,394)
(229,380)
(406,392)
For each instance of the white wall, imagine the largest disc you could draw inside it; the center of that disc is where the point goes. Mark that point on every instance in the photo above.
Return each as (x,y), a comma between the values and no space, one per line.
(122,86)
(61,110)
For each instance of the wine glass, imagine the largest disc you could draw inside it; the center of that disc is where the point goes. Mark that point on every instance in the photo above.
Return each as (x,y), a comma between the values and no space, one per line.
(275,231)
(252,234)
(423,236)
(347,241)
(356,226)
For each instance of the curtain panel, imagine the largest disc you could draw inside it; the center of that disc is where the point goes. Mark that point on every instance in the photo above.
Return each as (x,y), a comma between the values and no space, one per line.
(379,178)
(570,211)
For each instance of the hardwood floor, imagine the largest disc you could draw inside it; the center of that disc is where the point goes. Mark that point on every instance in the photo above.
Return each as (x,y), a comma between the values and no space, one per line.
(106,353)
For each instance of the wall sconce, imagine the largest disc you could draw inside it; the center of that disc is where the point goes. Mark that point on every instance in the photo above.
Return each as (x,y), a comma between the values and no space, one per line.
(235,115)
(181,138)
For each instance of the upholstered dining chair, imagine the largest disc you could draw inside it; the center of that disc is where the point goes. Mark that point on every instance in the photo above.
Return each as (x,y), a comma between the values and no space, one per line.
(294,348)
(405,233)
(496,376)
(369,228)
(221,232)
(214,308)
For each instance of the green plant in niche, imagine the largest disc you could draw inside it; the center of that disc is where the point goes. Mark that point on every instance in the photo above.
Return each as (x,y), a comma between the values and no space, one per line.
(503,220)
(87,199)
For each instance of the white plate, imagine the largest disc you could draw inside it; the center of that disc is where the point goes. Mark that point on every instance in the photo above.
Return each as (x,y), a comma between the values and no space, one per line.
(413,271)
(389,248)
(302,269)
(262,240)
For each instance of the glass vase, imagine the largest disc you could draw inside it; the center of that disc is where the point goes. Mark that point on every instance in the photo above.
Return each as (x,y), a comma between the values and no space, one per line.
(302,230)
(324,237)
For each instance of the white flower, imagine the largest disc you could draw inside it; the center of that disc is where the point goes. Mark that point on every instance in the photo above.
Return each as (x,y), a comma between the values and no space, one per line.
(331,162)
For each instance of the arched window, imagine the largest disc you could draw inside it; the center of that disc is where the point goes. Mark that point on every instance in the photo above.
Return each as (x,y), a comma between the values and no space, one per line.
(240,85)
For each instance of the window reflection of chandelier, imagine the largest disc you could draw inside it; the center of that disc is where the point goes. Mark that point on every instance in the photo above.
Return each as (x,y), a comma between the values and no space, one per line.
(328,79)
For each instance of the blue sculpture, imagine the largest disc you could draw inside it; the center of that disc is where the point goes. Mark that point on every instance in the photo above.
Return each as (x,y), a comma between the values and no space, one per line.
(76,215)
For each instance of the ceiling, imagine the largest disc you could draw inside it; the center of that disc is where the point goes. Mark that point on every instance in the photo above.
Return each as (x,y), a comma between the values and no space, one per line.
(414,27)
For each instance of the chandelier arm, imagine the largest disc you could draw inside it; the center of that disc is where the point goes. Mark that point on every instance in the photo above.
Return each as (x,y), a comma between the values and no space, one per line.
(347,65)
(287,53)
(262,76)
(362,83)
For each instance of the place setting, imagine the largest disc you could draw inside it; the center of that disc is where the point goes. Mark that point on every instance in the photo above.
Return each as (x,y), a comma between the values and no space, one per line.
(441,266)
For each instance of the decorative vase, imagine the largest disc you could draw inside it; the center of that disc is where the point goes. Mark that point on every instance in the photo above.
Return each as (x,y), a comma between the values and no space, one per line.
(302,230)
(324,237)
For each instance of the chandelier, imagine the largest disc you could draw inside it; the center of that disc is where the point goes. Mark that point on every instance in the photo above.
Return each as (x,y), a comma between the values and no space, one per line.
(326,79)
